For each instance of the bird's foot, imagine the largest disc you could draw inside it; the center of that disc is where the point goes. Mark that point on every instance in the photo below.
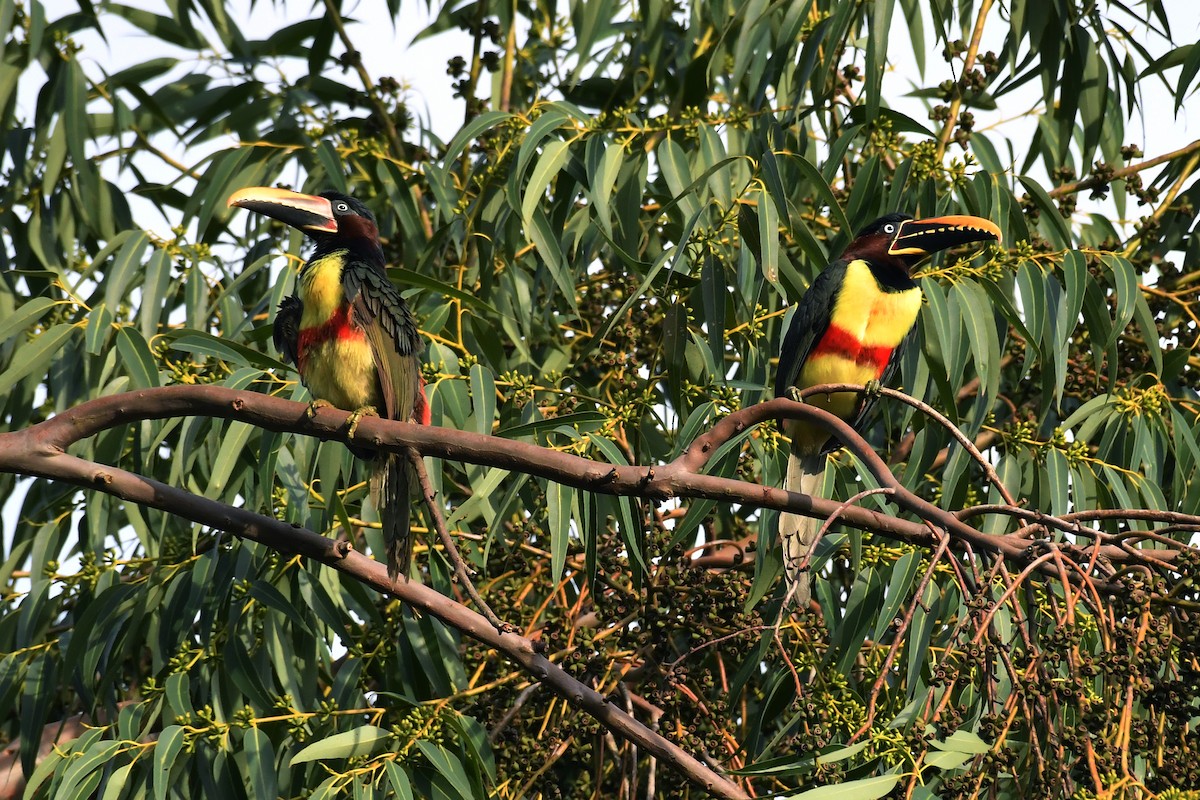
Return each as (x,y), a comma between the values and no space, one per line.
(793,393)
(315,406)
(356,416)
(873,387)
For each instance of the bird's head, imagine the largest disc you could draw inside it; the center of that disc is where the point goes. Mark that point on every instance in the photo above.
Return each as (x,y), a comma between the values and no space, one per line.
(903,241)
(331,219)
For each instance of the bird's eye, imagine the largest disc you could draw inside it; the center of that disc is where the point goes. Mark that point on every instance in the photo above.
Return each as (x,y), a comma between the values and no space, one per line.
(889,228)
(342,207)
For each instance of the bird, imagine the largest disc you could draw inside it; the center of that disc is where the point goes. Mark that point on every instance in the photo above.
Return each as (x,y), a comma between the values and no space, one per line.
(351,336)
(852,326)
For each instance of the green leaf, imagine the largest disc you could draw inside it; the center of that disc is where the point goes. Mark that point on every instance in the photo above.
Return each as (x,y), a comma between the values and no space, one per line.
(408,277)
(1052,224)
(1125,286)
(99,326)
(1075,278)
(558,503)
(334,171)
(33,309)
(813,178)
(33,357)
(678,174)
(981,331)
(398,778)
(166,751)
(604,180)
(233,447)
(945,760)
(125,267)
(554,155)
(471,131)
(260,763)
(448,765)
(843,753)
(360,741)
(586,419)
(768,236)
(83,776)
(963,741)
(139,361)
(861,789)
(200,343)
(904,572)
(483,398)
(114,788)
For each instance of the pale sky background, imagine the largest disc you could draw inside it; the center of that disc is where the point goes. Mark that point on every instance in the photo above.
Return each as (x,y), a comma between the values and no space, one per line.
(388,50)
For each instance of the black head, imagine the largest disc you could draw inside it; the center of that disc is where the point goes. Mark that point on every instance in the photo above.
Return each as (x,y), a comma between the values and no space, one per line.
(901,241)
(333,220)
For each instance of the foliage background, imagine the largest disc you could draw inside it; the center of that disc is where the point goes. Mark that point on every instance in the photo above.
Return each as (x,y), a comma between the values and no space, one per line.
(602,259)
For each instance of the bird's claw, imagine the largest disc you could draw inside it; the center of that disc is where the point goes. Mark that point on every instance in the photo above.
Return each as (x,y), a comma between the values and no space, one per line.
(315,406)
(356,416)
(873,387)
(793,393)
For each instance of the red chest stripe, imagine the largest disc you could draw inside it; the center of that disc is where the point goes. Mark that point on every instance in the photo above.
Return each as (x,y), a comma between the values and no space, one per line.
(336,327)
(841,343)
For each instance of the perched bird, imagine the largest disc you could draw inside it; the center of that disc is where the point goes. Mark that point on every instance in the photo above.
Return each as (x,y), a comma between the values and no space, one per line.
(351,336)
(852,326)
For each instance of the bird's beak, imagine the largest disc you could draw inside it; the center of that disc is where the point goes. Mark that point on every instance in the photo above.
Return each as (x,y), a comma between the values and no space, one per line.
(304,212)
(920,237)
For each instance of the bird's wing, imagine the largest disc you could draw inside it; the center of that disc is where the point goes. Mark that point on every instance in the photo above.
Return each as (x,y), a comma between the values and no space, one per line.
(286,332)
(377,307)
(809,323)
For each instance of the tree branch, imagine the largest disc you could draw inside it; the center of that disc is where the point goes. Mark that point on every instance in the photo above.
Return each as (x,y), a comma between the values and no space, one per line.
(1093,181)
(33,452)
(968,65)
(682,477)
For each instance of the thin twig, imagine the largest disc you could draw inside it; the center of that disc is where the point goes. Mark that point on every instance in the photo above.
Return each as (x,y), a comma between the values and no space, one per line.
(502,723)
(1124,172)
(353,56)
(968,65)
(429,495)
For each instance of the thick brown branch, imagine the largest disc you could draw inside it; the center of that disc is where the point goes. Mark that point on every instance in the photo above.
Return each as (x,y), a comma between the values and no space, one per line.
(35,457)
(679,478)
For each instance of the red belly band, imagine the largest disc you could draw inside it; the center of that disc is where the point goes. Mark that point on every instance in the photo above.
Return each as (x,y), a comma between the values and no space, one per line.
(841,343)
(337,327)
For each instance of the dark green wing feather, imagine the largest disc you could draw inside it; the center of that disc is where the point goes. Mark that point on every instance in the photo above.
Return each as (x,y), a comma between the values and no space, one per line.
(286,332)
(809,323)
(377,307)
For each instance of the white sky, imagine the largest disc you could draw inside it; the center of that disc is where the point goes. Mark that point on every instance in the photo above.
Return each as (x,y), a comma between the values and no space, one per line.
(388,50)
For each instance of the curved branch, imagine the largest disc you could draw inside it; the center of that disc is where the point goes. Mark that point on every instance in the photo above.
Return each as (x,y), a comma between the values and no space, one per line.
(36,456)
(679,478)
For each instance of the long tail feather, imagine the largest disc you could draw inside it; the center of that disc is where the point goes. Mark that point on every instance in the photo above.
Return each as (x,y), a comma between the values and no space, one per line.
(805,474)
(391,487)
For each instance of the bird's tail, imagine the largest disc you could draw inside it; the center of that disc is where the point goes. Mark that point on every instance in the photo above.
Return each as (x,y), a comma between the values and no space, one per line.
(805,474)
(391,491)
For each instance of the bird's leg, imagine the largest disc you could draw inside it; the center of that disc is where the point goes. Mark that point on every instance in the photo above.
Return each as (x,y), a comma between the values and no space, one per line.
(873,387)
(793,393)
(316,405)
(356,416)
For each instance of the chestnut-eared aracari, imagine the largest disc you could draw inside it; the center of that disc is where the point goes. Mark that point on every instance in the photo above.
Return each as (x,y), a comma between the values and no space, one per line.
(351,336)
(852,326)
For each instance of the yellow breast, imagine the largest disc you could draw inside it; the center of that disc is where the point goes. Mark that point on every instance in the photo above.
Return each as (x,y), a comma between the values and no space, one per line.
(867,323)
